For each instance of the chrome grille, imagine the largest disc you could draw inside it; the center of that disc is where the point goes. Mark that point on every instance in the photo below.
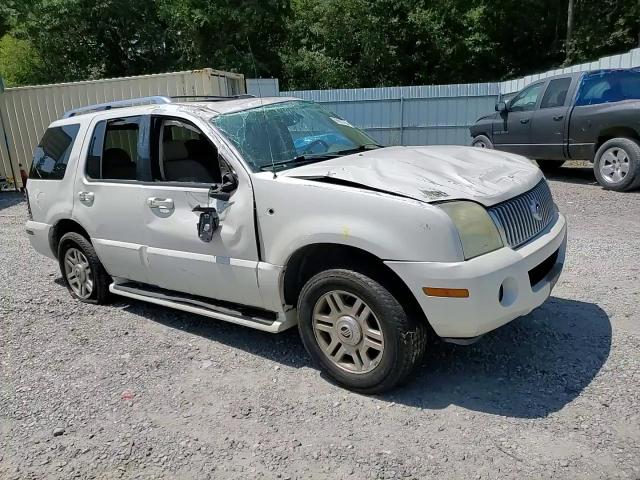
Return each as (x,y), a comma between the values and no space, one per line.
(525,216)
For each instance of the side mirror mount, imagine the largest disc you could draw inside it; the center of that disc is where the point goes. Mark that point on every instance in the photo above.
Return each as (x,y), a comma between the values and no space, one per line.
(501,107)
(222,190)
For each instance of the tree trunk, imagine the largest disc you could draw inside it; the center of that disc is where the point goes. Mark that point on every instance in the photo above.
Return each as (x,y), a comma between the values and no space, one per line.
(567,44)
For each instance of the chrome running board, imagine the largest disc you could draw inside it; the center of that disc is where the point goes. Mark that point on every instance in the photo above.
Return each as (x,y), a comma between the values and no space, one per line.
(247,316)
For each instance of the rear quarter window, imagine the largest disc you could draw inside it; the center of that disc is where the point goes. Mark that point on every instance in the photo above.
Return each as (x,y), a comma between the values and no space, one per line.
(52,153)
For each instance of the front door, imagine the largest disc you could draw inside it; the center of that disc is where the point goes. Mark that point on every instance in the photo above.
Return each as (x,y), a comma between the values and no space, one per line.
(550,121)
(513,134)
(185,163)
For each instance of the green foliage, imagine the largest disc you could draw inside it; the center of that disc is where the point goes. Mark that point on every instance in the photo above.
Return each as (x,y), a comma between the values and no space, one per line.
(19,62)
(309,43)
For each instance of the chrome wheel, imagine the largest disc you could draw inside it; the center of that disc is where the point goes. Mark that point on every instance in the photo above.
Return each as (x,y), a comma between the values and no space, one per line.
(78,273)
(614,165)
(348,332)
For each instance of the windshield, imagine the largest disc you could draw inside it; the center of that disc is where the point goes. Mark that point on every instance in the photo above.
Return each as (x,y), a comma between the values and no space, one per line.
(290,133)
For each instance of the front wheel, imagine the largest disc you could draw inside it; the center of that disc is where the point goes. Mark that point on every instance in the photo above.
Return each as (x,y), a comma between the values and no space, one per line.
(482,141)
(357,332)
(617,164)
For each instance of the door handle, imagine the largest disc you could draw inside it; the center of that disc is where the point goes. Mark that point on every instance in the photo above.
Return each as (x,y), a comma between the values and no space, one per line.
(160,203)
(524,120)
(557,118)
(86,198)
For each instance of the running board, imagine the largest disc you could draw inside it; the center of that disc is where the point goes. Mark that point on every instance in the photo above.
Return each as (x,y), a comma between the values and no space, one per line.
(247,316)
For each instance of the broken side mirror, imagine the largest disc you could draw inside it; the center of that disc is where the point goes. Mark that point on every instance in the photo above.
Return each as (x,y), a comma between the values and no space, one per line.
(222,190)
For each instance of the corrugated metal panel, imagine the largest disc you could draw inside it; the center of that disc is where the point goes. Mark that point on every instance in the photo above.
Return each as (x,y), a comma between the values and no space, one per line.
(433,114)
(28,111)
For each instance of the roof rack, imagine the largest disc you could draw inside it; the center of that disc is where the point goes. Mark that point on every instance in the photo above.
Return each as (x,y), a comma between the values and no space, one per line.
(155,100)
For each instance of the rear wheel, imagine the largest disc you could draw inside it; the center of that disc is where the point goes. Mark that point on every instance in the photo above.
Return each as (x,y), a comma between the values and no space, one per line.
(482,141)
(83,274)
(550,165)
(357,332)
(617,164)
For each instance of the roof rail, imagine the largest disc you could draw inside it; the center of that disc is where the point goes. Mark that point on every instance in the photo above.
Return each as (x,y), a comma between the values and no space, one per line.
(118,104)
(158,99)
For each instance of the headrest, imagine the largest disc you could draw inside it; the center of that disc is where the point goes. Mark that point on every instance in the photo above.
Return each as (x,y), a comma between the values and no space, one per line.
(174,150)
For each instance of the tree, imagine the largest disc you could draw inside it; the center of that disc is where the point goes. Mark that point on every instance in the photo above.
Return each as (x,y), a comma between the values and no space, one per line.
(19,62)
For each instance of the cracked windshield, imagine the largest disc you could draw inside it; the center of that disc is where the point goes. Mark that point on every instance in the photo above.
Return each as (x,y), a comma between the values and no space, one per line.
(287,134)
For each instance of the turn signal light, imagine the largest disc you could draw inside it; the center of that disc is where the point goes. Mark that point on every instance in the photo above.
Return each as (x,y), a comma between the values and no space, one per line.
(446,292)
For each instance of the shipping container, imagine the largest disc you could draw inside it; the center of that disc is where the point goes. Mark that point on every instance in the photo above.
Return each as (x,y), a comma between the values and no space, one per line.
(26,112)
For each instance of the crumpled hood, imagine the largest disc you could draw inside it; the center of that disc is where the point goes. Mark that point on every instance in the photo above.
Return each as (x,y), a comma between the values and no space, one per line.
(430,173)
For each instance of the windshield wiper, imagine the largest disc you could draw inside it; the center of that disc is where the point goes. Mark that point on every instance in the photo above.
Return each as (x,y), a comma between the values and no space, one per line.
(362,148)
(300,160)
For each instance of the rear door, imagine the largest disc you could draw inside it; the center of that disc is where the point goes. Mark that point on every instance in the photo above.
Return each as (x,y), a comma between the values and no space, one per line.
(185,164)
(551,119)
(513,134)
(108,197)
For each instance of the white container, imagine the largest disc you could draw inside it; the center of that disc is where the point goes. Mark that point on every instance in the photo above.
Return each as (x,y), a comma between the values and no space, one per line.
(26,112)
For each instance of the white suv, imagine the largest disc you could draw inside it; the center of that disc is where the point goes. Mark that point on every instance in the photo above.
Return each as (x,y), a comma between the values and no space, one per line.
(274,212)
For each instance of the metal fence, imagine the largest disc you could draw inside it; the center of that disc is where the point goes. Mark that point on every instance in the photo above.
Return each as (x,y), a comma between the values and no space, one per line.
(26,112)
(426,115)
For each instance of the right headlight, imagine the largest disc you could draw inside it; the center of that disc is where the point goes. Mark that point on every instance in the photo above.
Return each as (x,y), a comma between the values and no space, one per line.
(478,232)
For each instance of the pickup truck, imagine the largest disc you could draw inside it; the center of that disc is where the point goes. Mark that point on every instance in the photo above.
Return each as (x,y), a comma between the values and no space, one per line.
(591,116)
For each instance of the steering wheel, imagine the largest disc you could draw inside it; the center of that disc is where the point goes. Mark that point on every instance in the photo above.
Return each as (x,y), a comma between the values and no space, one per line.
(313,144)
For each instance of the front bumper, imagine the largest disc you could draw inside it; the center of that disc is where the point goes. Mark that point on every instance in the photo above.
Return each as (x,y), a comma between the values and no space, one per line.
(499,284)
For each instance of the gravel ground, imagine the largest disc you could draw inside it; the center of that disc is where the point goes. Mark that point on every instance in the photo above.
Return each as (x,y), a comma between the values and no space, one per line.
(133,390)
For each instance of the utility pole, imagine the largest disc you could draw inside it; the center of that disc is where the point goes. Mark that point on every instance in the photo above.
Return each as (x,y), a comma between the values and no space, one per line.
(569,39)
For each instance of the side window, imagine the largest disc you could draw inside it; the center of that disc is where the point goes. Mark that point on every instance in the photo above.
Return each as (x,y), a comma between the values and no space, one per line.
(612,86)
(526,99)
(182,153)
(52,153)
(113,154)
(556,93)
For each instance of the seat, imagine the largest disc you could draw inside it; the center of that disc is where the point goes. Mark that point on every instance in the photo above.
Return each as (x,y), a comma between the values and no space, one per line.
(178,167)
(117,164)
(205,154)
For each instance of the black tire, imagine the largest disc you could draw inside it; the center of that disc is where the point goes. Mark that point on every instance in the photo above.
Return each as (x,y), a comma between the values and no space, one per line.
(482,141)
(404,337)
(550,165)
(101,279)
(631,150)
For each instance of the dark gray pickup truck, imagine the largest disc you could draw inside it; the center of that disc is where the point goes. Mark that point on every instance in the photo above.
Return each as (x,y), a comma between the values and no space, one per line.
(591,116)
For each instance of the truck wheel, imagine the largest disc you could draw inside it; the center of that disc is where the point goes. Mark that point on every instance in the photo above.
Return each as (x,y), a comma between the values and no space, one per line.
(357,332)
(482,141)
(550,165)
(83,274)
(617,164)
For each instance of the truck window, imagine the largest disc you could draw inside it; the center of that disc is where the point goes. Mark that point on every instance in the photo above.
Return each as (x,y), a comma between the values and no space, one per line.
(113,154)
(611,86)
(52,153)
(556,93)
(526,99)
(182,153)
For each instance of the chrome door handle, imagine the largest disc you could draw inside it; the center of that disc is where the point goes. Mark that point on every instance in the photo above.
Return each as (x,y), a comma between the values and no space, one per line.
(86,198)
(161,203)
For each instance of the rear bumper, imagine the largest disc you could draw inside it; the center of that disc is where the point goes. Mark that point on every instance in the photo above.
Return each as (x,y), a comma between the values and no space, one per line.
(486,309)
(38,234)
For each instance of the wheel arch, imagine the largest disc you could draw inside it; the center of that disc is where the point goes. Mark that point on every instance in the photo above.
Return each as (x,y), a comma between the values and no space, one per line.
(62,227)
(311,259)
(614,132)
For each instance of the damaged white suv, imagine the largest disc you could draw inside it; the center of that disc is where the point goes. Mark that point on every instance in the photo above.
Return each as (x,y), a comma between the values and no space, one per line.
(274,212)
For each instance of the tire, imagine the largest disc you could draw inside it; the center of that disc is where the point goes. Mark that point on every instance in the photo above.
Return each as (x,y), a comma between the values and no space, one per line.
(617,164)
(79,251)
(550,165)
(399,344)
(482,141)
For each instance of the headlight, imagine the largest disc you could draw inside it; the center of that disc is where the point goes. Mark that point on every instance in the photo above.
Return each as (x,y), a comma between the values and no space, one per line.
(478,233)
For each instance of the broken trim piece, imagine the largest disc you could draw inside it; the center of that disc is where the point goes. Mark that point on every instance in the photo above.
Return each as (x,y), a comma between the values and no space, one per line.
(348,183)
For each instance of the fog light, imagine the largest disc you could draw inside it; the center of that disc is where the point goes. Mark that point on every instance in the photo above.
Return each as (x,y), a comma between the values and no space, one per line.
(446,292)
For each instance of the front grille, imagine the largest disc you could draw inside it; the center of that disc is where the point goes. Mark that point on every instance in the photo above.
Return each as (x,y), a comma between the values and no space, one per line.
(525,216)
